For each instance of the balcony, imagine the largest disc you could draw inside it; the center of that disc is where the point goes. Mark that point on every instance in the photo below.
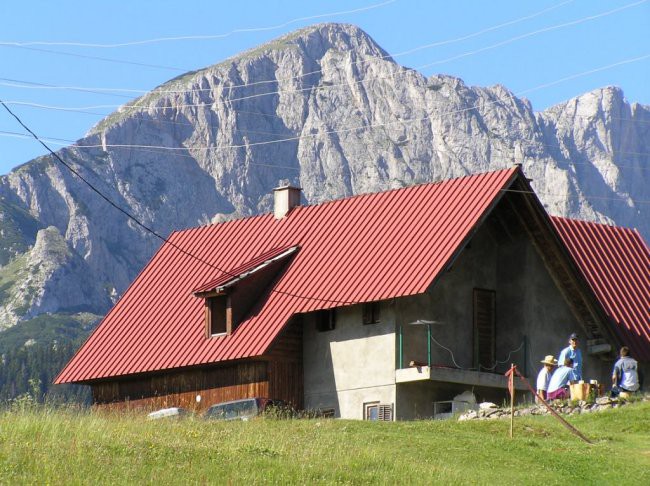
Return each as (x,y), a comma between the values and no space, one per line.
(418,362)
(453,375)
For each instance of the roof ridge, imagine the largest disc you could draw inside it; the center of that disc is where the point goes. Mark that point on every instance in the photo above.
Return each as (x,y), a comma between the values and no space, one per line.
(346,198)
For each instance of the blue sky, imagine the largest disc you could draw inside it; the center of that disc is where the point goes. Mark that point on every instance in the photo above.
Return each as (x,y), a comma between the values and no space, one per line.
(521,55)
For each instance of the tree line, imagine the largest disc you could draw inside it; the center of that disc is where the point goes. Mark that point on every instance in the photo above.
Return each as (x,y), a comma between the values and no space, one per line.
(28,371)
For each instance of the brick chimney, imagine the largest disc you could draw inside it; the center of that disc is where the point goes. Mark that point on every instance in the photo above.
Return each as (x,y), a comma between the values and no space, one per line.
(285,198)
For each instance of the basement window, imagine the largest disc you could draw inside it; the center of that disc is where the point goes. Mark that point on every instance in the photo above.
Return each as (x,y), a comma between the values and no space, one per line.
(382,412)
(326,320)
(327,413)
(371,313)
(218,315)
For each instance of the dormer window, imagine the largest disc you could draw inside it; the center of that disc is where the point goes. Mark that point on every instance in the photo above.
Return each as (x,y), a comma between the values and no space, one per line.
(218,315)
(230,298)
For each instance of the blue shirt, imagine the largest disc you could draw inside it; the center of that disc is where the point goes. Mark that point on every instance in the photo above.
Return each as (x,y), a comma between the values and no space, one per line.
(576,356)
(560,378)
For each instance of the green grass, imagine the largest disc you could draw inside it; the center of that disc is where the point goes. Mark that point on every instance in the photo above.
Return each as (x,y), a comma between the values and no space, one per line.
(57,447)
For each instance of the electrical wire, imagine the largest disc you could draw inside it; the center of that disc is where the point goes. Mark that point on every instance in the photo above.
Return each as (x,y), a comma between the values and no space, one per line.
(399,54)
(497,362)
(144,226)
(130,108)
(399,70)
(326,132)
(637,201)
(201,37)
(451,353)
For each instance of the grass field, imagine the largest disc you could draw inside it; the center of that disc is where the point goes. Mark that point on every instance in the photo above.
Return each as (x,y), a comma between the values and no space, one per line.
(66,447)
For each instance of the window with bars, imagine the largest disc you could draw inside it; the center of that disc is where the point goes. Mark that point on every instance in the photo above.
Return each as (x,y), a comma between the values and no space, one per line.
(484,328)
(371,312)
(378,411)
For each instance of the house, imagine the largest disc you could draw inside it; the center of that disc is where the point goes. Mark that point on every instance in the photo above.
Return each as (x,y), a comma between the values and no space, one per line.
(373,306)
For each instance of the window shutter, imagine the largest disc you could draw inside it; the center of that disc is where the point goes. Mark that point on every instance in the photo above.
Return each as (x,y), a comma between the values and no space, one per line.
(484,327)
(386,413)
(367,314)
(326,320)
(370,312)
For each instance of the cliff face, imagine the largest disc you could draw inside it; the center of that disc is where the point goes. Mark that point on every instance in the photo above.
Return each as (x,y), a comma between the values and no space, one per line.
(325,108)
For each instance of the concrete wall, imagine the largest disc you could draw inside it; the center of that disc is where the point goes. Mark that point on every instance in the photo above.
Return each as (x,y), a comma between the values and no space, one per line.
(350,365)
(355,364)
(530,309)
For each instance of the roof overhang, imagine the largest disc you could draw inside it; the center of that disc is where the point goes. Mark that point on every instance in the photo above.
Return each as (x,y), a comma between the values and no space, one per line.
(232,277)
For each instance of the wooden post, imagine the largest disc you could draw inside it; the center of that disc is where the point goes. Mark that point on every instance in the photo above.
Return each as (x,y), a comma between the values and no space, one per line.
(511,386)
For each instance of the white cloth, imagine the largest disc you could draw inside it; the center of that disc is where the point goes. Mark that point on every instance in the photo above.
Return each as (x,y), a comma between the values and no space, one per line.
(543,378)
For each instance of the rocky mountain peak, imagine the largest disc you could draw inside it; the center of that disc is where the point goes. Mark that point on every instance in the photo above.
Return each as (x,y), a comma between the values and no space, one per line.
(325,108)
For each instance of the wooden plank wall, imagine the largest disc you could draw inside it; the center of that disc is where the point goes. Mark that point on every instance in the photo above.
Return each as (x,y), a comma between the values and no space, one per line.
(179,389)
(285,365)
(286,382)
(278,374)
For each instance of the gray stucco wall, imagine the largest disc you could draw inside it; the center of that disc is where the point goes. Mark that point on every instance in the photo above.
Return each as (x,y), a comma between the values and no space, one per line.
(355,364)
(528,304)
(351,365)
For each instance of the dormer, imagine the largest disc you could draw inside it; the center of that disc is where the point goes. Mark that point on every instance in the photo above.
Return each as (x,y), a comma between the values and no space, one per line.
(230,297)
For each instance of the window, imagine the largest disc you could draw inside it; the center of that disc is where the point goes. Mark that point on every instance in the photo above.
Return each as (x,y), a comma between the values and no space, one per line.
(371,312)
(327,413)
(378,411)
(218,315)
(484,328)
(326,320)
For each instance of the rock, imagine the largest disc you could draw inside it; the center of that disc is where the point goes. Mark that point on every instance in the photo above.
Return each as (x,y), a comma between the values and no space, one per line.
(472,414)
(215,169)
(487,405)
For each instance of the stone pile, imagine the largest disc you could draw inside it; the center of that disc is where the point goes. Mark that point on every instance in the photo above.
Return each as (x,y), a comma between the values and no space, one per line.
(560,406)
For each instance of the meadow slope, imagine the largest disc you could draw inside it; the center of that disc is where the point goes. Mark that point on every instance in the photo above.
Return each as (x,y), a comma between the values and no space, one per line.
(70,447)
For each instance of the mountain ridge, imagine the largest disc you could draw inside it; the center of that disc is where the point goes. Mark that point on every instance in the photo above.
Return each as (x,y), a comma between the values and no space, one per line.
(324,107)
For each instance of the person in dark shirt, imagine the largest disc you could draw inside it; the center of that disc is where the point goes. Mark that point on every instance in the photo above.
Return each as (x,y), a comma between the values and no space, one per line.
(625,376)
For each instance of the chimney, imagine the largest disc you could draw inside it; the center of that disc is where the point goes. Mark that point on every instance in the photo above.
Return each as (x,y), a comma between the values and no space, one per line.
(285,198)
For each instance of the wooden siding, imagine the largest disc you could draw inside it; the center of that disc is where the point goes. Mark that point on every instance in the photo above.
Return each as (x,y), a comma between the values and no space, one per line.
(180,388)
(278,375)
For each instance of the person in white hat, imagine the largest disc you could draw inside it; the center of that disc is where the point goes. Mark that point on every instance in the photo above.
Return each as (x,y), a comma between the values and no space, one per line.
(544,375)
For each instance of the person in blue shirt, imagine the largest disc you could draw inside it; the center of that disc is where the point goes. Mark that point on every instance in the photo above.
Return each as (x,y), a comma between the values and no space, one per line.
(572,351)
(558,387)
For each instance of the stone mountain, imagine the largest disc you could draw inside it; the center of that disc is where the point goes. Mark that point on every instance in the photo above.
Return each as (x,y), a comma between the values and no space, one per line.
(325,108)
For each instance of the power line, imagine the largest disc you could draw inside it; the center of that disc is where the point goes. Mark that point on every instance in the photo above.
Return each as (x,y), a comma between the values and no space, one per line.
(400,70)
(98,58)
(144,226)
(12,83)
(539,31)
(328,132)
(276,80)
(566,196)
(200,37)
(161,150)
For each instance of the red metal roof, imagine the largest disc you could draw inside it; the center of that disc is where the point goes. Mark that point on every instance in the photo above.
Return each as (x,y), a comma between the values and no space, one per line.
(359,249)
(230,276)
(616,263)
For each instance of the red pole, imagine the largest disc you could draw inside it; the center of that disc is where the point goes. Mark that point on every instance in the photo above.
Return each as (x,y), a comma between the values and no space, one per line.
(511,387)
